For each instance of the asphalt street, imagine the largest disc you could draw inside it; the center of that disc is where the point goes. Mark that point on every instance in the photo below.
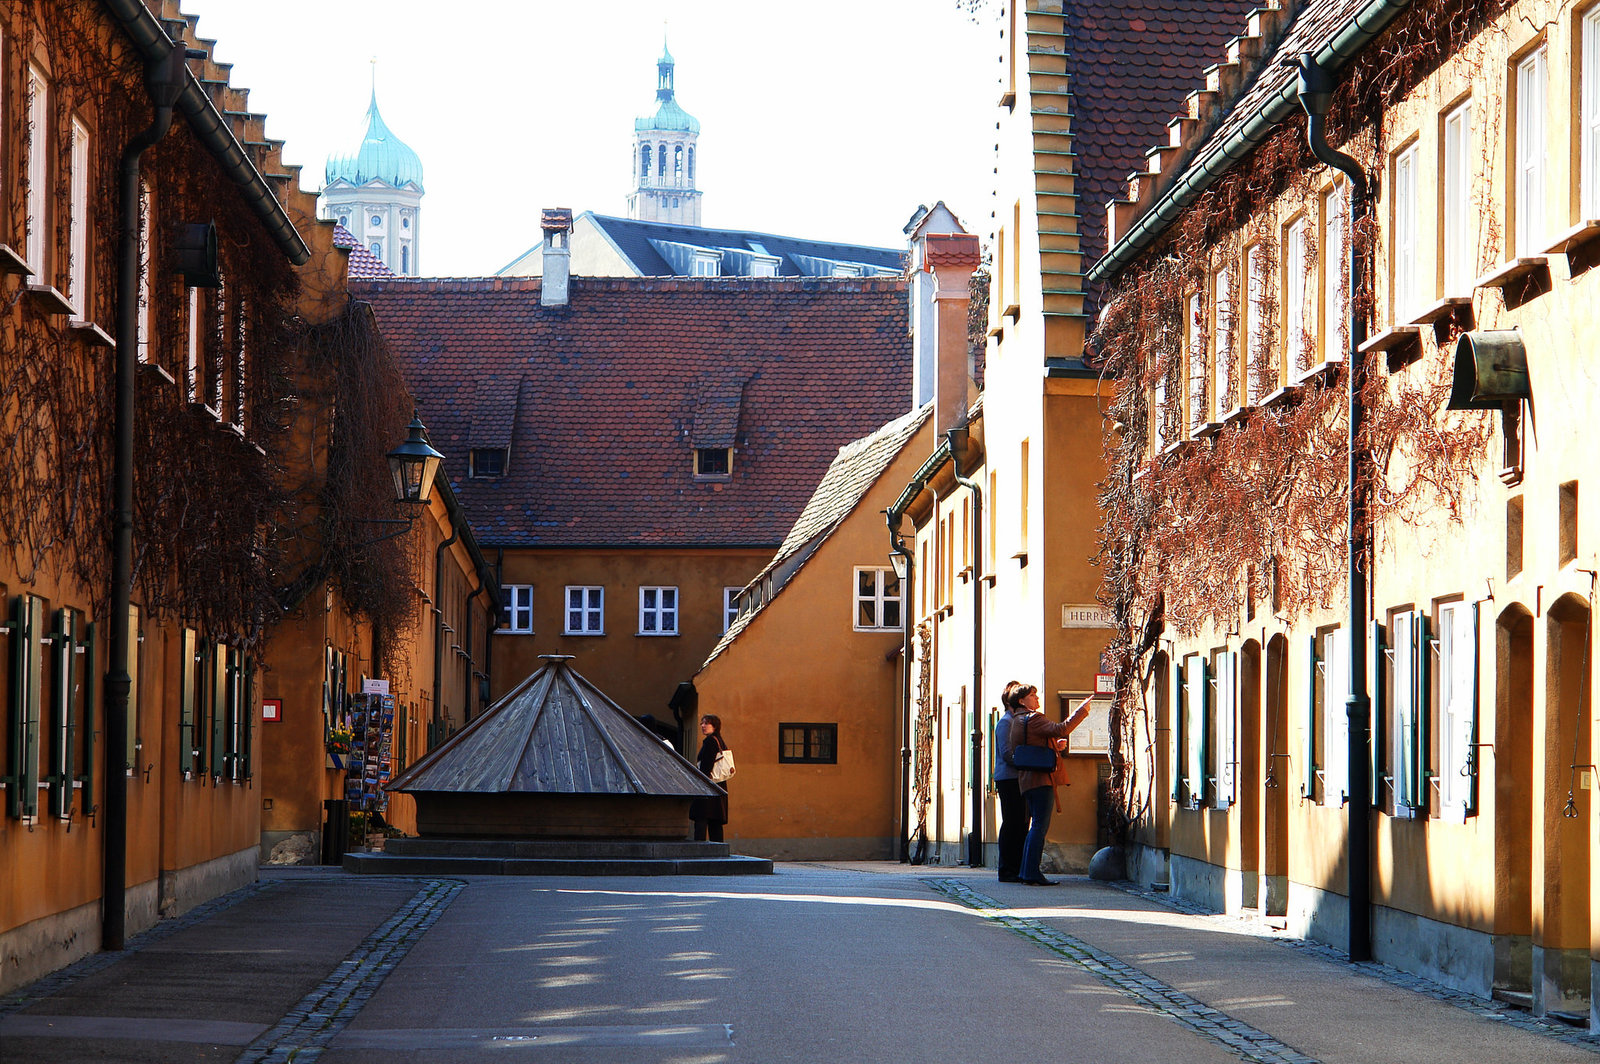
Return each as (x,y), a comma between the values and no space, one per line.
(818,963)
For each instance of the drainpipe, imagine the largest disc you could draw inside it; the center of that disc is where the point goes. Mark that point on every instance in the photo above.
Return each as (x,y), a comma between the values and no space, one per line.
(959,441)
(897,546)
(438,626)
(164,79)
(1316,95)
(466,693)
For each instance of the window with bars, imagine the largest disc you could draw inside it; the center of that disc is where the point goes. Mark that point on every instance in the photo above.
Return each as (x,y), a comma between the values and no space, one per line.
(1335,331)
(1195,355)
(808,744)
(877,600)
(1589,116)
(585,611)
(1297,335)
(78,223)
(1222,332)
(37,244)
(1455,202)
(1405,254)
(516,609)
(658,611)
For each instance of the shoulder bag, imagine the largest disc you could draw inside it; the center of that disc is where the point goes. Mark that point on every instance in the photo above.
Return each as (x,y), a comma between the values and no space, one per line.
(722,769)
(1032,758)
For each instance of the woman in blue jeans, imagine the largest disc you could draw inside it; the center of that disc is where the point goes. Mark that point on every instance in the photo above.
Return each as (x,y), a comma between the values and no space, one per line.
(1030,728)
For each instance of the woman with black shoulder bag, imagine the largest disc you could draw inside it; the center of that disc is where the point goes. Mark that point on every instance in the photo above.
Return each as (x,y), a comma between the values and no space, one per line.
(1036,745)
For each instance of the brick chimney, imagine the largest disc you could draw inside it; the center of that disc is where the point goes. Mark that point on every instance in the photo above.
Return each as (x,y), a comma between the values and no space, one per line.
(557,225)
(951,258)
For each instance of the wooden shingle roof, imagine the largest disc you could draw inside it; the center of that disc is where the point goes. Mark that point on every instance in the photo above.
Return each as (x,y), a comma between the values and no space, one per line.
(556,733)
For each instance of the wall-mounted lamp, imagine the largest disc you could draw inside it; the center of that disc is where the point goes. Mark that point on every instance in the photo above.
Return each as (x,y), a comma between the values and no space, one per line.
(413,465)
(195,254)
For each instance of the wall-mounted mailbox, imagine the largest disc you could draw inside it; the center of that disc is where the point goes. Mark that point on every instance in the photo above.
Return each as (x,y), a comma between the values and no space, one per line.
(1491,369)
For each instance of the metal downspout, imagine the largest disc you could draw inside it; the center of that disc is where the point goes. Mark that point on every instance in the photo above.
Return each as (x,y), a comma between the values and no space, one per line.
(438,628)
(1315,91)
(975,838)
(164,78)
(897,546)
(466,694)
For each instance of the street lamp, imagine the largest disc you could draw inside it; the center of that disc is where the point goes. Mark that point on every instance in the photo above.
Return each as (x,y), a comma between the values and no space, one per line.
(413,464)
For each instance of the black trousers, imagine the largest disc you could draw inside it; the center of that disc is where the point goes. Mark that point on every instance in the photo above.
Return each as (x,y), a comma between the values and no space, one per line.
(1013,828)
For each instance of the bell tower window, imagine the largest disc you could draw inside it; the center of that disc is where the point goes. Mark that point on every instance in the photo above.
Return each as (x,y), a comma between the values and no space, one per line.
(691,166)
(661,161)
(644,160)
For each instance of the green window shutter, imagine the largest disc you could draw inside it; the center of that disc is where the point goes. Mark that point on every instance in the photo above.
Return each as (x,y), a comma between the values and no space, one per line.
(1308,730)
(1472,728)
(91,701)
(217,682)
(22,774)
(63,713)
(1175,711)
(1410,709)
(247,734)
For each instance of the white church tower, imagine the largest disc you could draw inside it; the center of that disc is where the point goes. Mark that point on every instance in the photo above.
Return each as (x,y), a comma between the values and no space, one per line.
(375,192)
(664,157)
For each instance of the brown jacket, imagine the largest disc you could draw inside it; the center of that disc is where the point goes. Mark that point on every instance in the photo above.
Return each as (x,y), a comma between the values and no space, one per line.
(1032,729)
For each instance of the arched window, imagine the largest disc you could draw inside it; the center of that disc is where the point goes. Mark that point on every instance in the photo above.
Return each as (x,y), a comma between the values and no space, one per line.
(377,249)
(661,161)
(644,160)
(691,166)
(405,260)
(677,163)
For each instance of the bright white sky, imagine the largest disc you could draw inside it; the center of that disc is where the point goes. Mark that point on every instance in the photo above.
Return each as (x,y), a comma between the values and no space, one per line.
(829,119)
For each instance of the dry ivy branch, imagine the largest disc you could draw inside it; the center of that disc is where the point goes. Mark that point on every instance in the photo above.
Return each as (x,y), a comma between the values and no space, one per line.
(1258,511)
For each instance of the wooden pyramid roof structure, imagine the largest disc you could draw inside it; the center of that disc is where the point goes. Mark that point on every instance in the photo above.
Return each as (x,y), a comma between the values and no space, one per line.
(556,734)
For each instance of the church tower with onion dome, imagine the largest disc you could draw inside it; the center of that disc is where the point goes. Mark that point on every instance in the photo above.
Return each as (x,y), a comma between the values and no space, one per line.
(664,163)
(375,192)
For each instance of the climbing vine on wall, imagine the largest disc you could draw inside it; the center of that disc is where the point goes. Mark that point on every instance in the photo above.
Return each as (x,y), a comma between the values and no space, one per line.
(1254,516)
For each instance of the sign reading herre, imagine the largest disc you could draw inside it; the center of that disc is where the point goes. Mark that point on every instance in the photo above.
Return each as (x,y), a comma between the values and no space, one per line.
(1092,615)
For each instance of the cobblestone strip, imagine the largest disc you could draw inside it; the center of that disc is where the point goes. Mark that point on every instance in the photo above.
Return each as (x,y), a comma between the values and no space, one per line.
(1250,1043)
(1484,1009)
(306,1030)
(57,981)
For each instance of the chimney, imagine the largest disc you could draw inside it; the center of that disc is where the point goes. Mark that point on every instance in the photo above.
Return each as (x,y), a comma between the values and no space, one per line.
(557,225)
(951,258)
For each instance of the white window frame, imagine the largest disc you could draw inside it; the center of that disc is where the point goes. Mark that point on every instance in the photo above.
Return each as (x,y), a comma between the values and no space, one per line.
(37,242)
(1223,357)
(706,265)
(1407,633)
(1405,254)
(78,223)
(1195,730)
(586,602)
(517,617)
(658,610)
(1196,361)
(1224,730)
(1255,321)
(879,599)
(1455,202)
(1297,339)
(192,381)
(1532,92)
(1589,112)
(730,606)
(1458,683)
(1335,721)
(1335,331)
(1158,407)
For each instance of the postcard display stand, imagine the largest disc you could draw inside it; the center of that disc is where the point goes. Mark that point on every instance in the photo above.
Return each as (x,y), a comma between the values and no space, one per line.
(367,768)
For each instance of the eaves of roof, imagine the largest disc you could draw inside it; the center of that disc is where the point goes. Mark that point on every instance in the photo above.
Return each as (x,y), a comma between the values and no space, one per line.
(1267,102)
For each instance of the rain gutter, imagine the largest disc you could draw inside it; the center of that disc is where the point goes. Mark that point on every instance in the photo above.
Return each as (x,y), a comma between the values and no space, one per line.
(1218,159)
(211,130)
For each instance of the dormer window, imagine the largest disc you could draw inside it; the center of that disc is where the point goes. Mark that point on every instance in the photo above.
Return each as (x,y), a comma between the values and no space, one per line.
(707,264)
(713,463)
(487,462)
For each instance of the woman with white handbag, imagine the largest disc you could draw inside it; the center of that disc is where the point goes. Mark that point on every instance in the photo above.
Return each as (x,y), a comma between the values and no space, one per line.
(716,761)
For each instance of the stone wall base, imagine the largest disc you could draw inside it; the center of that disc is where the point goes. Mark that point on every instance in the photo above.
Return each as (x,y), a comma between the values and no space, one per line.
(42,946)
(850,849)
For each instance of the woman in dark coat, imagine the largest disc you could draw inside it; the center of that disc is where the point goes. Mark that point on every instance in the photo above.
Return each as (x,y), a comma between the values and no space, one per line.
(710,814)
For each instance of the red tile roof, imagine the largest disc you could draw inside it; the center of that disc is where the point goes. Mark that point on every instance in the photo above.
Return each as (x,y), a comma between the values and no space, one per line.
(364,265)
(615,387)
(1133,62)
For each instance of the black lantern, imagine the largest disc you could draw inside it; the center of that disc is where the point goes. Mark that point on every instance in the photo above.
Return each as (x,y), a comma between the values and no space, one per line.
(195,254)
(413,464)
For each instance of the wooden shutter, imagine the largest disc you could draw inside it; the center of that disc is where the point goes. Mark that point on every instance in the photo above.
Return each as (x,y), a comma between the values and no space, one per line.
(1458,684)
(63,714)
(217,684)
(1308,730)
(91,701)
(1377,704)
(1175,711)
(22,774)
(188,703)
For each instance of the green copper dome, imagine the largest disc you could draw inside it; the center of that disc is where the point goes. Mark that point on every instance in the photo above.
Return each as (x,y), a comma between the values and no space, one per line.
(381,157)
(669,117)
